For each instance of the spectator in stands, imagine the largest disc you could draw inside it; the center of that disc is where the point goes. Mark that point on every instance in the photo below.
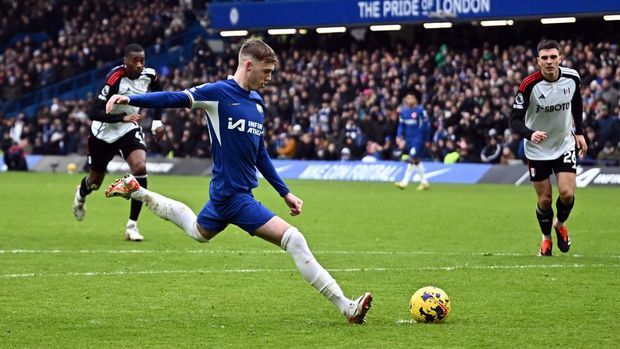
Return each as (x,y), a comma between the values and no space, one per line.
(603,124)
(288,148)
(305,148)
(609,155)
(203,147)
(14,158)
(507,157)
(78,38)
(491,152)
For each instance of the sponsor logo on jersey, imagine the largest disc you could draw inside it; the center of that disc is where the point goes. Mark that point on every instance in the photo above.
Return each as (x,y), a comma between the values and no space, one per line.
(242,125)
(239,124)
(552,108)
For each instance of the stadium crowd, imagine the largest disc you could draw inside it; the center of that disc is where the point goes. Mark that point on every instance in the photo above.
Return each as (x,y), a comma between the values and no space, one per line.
(343,103)
(79,36)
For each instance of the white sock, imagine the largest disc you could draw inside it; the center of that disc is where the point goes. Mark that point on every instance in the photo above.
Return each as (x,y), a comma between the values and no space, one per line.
(408,174)
(132,222)
(170,210)
(420,169)
(294,243)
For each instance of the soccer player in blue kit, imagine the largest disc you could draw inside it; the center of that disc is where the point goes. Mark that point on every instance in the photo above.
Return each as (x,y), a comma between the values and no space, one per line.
(414,131)
(234,112)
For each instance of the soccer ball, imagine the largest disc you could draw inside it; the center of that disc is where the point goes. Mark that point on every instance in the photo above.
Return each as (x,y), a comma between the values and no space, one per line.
(71,168)
(430,305)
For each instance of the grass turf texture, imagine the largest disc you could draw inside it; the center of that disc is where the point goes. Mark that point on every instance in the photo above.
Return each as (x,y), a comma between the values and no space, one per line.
(66,284)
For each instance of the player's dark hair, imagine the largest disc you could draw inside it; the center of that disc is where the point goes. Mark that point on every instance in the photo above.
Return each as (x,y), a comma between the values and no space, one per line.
(133,48)
(258,50)
(547,44)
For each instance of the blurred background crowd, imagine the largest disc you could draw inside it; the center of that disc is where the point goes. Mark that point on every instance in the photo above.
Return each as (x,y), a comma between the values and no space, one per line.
(331,98)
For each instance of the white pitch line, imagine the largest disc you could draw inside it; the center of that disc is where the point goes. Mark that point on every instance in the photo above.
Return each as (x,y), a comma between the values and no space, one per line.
(237,252)
(345,270)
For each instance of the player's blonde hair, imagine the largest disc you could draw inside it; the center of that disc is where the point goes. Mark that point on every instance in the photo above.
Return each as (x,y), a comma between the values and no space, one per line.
(258,50)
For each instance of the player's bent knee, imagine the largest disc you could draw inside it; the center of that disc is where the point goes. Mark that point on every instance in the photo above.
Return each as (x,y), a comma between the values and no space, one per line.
(293,240)
(195,234)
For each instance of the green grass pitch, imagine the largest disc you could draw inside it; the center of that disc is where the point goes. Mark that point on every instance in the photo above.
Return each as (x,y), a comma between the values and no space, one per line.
(69,284)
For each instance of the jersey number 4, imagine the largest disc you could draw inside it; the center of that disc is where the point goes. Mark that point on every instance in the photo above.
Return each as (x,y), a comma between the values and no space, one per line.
(140,137)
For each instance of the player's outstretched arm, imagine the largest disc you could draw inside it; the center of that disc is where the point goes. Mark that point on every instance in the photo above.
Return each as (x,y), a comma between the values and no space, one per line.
(163,99)
(294,203)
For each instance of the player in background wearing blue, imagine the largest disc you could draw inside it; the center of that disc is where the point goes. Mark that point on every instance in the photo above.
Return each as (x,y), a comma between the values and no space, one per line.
(118,133)
(414,132)
(234,111)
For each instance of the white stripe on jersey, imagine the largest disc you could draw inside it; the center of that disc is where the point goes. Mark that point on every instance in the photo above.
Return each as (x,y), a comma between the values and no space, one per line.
(211,108)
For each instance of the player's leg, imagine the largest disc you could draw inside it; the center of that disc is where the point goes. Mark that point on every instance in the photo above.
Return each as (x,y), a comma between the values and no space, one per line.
(566,176)
(415,153)
(539,176)
(88,184)
(137,166)
(290,239)
(99,155)
(413,165)
(419,167)
(133,149)
(171,210)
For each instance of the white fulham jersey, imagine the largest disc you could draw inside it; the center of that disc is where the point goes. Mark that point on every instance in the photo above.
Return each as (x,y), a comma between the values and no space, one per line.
(118,82)
(549,106)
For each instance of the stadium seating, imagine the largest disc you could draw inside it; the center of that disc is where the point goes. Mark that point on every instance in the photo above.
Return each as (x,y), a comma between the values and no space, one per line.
(326,97)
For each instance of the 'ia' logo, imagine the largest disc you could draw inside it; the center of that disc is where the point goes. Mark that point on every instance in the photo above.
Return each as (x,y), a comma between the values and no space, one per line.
(239,124)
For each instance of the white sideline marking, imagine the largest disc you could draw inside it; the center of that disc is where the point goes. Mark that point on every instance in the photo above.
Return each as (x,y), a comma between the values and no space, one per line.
(345,270)
(236,252)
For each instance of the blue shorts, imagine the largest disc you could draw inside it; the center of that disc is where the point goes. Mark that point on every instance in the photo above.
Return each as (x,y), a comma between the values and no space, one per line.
(240,209)
(415,151)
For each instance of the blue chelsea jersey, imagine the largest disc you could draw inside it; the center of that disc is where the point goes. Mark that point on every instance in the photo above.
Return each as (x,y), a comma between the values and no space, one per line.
(413,126)
(235,119)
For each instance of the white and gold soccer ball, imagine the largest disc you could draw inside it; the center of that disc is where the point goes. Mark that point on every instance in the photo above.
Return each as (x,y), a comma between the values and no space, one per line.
(429,305)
